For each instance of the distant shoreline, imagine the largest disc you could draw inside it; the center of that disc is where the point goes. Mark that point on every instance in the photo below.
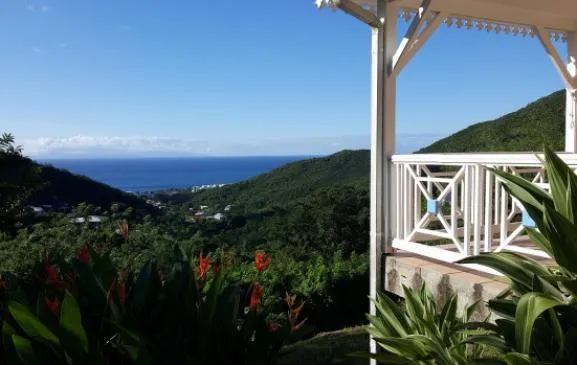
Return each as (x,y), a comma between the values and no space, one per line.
(144,175)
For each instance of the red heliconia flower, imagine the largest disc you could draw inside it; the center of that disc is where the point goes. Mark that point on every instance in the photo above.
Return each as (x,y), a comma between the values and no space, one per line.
(121,292)
(273,326)
(203,266)
(294,312)
(215,267)
(83,255)
(123,229)
(53,305)
(255,296)
(261,260)
(51,274)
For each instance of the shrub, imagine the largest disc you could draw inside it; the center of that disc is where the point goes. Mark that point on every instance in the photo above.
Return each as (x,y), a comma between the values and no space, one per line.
(84,311)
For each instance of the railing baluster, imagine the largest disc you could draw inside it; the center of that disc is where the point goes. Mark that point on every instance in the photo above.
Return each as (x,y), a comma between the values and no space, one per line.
(504,213)
(488,211)
(478,209)
(466,210)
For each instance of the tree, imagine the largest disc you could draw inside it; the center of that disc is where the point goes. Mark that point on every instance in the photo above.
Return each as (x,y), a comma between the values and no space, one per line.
(19,178)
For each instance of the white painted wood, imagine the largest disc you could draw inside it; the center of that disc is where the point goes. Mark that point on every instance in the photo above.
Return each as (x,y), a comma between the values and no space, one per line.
(382,144)
(560,65)
(354,9)
(571,104)
(495,159)
(427,251)
(414,45)
(488,223)
(553,14)
(413,32)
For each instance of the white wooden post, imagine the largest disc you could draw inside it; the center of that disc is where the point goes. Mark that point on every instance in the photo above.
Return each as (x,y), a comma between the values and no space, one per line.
(383,100)
(571,105)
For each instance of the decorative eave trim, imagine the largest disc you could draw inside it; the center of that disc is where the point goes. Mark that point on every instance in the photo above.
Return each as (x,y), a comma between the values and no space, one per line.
(489,26)
(468,23)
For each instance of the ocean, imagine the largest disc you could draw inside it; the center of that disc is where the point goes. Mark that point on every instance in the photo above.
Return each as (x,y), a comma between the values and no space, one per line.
(151,174)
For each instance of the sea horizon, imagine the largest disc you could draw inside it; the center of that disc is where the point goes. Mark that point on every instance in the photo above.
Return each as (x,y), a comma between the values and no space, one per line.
(145,174)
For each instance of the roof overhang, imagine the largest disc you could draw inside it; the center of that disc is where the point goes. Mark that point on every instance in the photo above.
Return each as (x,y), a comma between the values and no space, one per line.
(554,15)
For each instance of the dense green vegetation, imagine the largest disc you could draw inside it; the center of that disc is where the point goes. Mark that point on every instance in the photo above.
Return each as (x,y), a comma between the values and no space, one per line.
(64,186)
(542,122)
(292,182)
(318,241)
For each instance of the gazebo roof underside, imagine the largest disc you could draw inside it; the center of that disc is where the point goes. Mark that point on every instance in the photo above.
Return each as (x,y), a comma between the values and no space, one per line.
(555,15)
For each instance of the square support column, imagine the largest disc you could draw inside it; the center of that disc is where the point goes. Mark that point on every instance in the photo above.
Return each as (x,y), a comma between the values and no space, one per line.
(383,99)
(571,104)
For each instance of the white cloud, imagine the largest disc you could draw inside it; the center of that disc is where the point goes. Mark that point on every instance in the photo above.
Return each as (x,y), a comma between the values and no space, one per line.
(44,8)
(89,146)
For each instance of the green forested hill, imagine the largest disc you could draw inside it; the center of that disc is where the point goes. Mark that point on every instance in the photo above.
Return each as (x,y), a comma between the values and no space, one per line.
(64,186)
(293,181)
(527,129)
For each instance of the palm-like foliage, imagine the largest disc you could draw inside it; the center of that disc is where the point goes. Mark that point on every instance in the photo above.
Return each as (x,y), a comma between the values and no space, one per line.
(419,334)
(539,313)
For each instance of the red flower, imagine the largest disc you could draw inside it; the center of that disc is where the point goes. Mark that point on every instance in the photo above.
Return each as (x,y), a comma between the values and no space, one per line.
(121,292)
(261,260)
(123,230)
(83,255)
(273,326)
(51,274)
(294,312)
(203,266)
(256,296)
(53,305)
(215,267)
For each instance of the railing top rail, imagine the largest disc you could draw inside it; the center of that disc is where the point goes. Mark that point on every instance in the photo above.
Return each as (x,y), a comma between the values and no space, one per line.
(488,158)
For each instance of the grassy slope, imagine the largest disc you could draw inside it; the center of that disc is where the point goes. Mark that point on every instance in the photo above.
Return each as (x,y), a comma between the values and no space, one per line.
(527,129)
(329,348)
(293,181)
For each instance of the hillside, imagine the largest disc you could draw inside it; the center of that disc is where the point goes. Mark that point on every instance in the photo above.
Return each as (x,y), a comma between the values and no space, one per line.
(527,129)
(293,181)
(64,186)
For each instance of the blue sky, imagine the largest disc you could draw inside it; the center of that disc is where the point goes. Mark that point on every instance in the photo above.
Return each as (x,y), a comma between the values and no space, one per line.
(231,77)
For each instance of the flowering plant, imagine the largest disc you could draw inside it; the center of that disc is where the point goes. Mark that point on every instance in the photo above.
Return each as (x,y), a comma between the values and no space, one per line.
(86,311)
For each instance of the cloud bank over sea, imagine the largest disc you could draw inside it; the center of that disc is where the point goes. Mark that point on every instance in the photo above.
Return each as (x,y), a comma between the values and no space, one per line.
(147,146)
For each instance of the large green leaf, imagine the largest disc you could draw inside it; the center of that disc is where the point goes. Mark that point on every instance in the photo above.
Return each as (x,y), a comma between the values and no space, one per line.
(31,325)
(529,308)
(71,322)
(393,317)
(563,183)
(562,234)
(515,358)
(516,267)
(24,350)
(410,347)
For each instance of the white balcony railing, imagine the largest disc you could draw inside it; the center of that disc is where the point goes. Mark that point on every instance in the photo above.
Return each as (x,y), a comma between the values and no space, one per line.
(449,206)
